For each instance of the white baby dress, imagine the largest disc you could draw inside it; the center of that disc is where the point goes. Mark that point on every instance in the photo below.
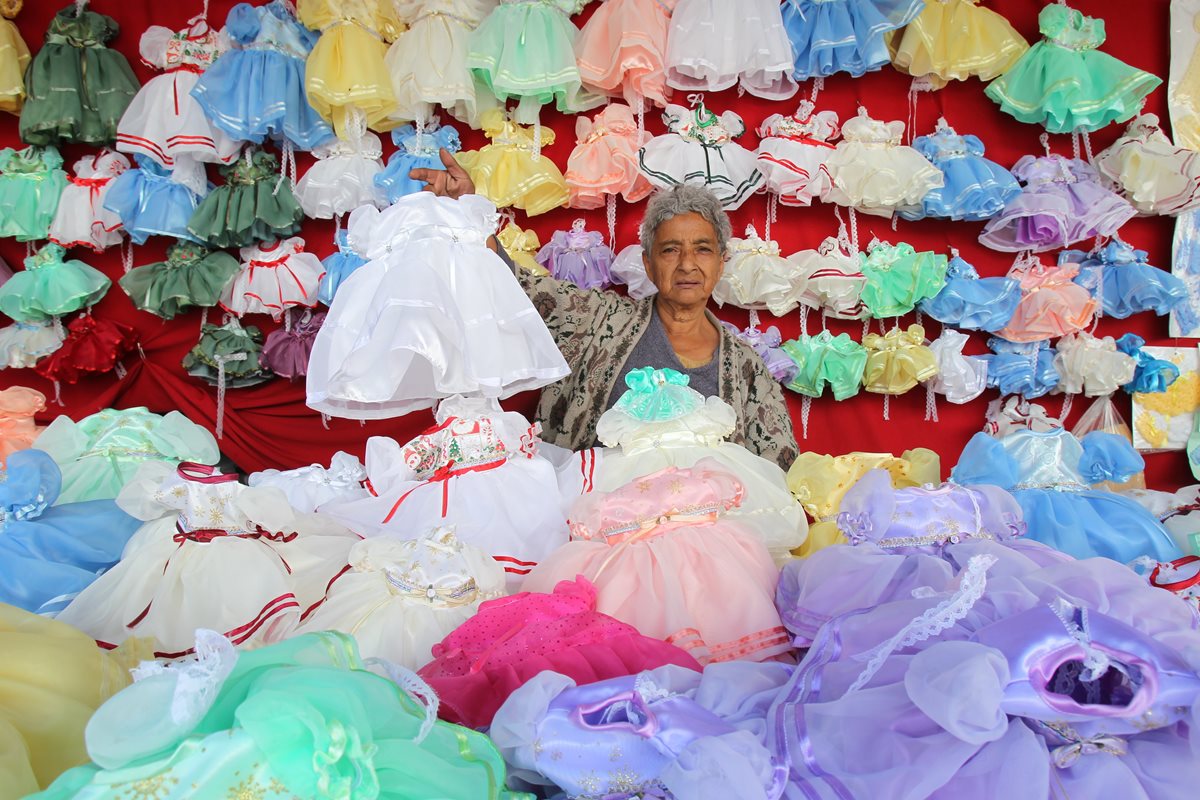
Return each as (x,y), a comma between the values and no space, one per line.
(757,277)
(960,378)
(212,554)
(428,62)
(833,279)
(275,276)
(714,45)
(875,172)
(401,597)
(81,219)
(480,471)
(434,304)
(699,149)
(343,177)
(164,121)
(1091,365)
(793,153)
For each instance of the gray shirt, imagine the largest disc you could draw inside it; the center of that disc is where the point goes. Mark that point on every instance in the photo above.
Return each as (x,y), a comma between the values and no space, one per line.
(654,350)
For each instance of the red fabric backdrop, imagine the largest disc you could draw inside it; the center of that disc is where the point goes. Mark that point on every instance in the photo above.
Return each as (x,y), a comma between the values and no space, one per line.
(269,425)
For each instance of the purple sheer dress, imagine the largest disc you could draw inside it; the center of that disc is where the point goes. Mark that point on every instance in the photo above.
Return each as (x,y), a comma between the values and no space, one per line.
(1062,203)
(286,352)
(579,256)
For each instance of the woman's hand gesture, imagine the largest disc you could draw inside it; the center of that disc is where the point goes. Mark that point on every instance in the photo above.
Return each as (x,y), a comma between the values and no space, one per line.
(452,182)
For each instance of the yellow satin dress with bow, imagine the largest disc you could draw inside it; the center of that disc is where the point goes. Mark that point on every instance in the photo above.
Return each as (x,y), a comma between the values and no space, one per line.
(511,171)
(522,247)
(14,58)
(345,74)
(897,361)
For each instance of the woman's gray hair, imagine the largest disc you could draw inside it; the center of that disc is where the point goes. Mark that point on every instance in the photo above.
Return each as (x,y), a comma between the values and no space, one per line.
(684,199)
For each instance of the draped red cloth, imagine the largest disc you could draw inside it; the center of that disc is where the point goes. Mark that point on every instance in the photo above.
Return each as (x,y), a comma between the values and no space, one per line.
(269,425)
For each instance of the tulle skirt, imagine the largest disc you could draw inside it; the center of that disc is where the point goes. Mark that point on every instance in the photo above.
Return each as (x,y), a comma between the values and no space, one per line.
(707,589)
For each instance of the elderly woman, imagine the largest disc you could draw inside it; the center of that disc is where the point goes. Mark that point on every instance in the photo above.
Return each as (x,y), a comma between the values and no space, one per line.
(603,336)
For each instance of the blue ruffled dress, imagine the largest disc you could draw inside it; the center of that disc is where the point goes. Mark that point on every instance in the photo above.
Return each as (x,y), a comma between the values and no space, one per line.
(1050,472)
(338,267)
(256,90)
(1151,374)
(150,203)
(1124,283)
(975,187)
(416,151)
(971,302)
(49,553)
(830,36)
(1024,368)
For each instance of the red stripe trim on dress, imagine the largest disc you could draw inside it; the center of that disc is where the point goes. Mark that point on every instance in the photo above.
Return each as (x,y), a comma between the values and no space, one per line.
(328,586)
(237,635)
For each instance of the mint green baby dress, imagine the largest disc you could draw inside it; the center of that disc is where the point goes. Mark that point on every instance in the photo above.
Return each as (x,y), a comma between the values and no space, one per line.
(303,718)
(1064,83)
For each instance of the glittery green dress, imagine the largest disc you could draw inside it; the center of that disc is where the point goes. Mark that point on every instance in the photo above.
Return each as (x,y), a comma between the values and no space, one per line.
(192,275)
(76,87)
(248,208)
(231,348)
(303,718)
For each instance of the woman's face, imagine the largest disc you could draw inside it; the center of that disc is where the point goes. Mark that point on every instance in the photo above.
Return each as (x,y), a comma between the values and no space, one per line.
(685,261)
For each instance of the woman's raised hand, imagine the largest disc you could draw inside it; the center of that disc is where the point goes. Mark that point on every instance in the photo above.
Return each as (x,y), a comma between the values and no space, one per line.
(452,182)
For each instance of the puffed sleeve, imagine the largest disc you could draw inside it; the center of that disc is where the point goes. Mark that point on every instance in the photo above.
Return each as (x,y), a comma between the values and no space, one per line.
(925,146)
(984,460)
(243,24)
(733,122)
(673,116)
(866,510)
(1109,457)
(960,686)
(402,134)
(153,45)
(447,137)
(1020,170)
(768,126)
(973,144)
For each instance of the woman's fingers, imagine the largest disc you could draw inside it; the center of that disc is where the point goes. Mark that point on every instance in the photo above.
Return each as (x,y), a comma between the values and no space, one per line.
(453,181)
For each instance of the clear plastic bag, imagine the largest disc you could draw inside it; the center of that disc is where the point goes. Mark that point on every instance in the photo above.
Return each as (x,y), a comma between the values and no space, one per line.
(1102,415)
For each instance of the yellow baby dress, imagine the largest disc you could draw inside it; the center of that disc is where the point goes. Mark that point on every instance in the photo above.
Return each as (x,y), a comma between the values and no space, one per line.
(522,247)
(952,40)
(820,482)
(52,678)
(346,68)
(898,360)
(511,171)
(14,57)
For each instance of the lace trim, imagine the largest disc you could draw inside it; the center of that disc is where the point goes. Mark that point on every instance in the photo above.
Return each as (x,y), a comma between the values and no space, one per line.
(198,679)
(934,538)
(933,621)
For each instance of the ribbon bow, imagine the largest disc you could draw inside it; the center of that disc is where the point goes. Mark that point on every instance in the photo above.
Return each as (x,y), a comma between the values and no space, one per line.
(855,526)
(1068,754)
(649,379)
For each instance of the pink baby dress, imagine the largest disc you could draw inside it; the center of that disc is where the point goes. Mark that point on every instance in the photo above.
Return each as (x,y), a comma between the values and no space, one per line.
(622,49)
(663,560)
(604,161)
(18,404)
(512,639)
(1051,304)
